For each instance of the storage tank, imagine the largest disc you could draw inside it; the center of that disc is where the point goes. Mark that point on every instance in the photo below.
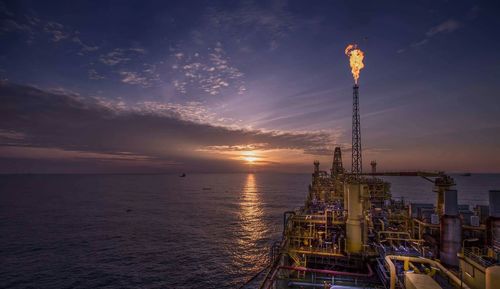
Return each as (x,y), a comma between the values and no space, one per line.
(451,230)
(354,205)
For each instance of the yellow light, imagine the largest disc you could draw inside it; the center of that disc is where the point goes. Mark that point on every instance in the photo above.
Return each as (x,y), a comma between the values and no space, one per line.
(249,157)
(250,160)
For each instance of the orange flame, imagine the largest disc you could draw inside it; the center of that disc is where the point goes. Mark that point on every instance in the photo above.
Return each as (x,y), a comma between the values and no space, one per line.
(355,60)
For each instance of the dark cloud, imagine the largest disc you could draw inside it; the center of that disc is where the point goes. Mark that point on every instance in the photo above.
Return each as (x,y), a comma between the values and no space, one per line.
(82,125)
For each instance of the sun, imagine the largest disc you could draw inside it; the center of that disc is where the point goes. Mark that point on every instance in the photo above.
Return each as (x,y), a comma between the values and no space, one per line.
(250,159)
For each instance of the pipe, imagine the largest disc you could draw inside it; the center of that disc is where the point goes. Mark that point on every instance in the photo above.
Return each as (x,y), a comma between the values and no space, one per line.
(331,272)
(392,268)
(383,224)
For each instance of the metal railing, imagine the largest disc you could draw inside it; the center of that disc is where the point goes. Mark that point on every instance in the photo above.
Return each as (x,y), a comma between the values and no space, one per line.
(316,250)
(480,256)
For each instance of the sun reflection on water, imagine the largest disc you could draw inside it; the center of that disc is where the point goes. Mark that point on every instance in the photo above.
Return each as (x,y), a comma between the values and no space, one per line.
(253,229)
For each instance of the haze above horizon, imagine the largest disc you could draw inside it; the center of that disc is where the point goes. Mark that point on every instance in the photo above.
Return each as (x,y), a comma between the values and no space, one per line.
(230,86)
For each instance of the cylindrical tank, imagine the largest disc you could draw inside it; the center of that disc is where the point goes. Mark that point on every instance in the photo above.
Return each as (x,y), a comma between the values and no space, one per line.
(451,239)
(354,205)
(492,277)
(451,230)
(451,203)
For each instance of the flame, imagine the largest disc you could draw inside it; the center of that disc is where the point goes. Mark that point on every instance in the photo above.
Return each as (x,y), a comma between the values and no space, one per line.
(355,60)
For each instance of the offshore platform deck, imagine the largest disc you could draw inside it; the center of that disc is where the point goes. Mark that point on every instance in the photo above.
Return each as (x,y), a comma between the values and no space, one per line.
(352,234)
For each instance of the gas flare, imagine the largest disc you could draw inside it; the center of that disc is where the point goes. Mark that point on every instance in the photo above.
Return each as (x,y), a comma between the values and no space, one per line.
(355,60)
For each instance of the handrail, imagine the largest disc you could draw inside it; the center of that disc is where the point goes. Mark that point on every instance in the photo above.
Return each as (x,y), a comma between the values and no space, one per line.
(254,276)
(425,224)
(403,239)
(270,275)
(331,272)
(393,233)
(468,252)
(317,250)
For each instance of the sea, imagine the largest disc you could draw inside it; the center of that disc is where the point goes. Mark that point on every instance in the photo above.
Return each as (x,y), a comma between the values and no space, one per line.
(160,231)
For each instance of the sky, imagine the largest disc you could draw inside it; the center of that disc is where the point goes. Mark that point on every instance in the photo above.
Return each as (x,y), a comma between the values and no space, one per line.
(232,86)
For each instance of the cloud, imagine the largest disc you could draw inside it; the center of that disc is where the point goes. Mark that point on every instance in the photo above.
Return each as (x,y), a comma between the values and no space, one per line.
(57,31)
(60,32)
(147,77)
(64,91)
(200,67)
(31,25)
(94,75)
(4,10)
(84,47)
(11,137)
(12,26)
(117,56)
(129,77)
(420,43)
(272,23)
(120,56)
(33,118)
(56,153)
(138,50)
(446,27)
(210,73)
(9,25)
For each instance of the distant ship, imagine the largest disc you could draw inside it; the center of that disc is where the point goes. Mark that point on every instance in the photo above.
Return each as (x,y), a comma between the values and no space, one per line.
(466,174)
(183,175)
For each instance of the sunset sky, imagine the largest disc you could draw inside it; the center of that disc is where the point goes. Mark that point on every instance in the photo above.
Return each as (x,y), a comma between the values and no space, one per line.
(228,86)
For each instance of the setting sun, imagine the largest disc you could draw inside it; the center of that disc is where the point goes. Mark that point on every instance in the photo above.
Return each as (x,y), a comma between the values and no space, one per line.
(250,160)
(250,157)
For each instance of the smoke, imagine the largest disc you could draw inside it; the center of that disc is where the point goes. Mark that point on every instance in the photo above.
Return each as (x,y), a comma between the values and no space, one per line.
(356,57)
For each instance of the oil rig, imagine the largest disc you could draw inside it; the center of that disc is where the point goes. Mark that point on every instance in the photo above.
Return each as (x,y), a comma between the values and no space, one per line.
(351,233)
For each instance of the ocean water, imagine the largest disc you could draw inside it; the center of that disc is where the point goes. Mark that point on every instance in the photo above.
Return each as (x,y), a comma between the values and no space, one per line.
(158,231)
